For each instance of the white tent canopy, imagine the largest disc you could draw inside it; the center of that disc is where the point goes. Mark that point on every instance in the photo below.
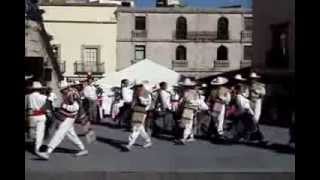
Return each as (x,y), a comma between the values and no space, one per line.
(143,70)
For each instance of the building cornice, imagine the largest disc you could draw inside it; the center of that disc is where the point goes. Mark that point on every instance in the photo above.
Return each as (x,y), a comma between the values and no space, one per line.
(80,22)
(177,10)
(179,41)
(79,4)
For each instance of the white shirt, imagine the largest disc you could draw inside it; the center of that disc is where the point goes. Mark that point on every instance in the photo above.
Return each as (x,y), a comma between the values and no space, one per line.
(127,94)
(90,92)
(244,104)
(165,99)
(146,101)
(35,101)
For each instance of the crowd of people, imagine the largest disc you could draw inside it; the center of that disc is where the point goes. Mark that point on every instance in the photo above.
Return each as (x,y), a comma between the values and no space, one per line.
(149,110)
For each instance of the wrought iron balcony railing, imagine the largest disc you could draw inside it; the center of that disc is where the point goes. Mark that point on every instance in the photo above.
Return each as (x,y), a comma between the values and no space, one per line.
(246,36)
(139,34)
(221,63)
(82,67)
(245,63)
(200,35)
(179,63)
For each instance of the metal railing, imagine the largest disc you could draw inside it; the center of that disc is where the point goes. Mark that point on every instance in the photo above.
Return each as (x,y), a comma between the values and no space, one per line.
(81,67)
(179,63)
(139,34)
(201,36)
(245,63)
(221,63)
(246,36)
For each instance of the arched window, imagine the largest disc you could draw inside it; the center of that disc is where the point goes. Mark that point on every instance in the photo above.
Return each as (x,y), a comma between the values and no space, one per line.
(181,53)
(181,29)
(223,29)
(222,53)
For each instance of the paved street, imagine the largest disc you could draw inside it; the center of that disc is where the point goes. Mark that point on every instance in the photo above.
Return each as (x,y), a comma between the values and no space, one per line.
(106,155)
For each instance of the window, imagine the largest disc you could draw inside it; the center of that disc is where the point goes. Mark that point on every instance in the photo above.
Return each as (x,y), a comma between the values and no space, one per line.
(140,52)
(223,29)
(181,28)
(181,53)
(248,24)
(90,54)
(140,23)
(248,53)
(222,53)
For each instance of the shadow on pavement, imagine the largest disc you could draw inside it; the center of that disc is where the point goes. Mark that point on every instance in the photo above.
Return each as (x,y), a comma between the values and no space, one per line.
(114,143)
(279,148)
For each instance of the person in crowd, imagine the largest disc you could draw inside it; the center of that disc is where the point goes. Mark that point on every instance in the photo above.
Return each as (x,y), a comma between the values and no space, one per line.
(67,114)
(164,110)
(90,93)
(51,105)
(219,98)
(35,106)
(257,93)
(245,126)
(140,105)
(190,102)
(125,110)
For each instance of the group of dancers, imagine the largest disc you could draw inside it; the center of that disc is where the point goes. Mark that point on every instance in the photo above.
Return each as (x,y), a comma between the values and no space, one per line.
(145,106)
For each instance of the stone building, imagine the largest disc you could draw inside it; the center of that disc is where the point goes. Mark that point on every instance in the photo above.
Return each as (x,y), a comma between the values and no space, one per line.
(194,42)
(84,36)
(40,62)
(274,55)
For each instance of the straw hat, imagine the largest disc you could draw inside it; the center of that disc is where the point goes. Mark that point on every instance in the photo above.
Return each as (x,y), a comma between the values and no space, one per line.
(239,77)
(36,85)
(219,81)
(188,82)
(28,77)
(254,75)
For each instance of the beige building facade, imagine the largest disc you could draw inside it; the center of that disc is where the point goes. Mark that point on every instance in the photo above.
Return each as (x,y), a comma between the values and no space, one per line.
(84,37)
(193,42)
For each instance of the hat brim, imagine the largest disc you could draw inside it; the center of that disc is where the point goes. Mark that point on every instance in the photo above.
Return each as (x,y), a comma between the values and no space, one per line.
(224,81)
(240,79)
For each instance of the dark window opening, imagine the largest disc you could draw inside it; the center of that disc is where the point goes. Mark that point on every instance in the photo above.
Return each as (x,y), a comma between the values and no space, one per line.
(278,55)
(248,52)
(223,29)
(181,29)
(181,53)
(248,24)
(222,53)
(140,23)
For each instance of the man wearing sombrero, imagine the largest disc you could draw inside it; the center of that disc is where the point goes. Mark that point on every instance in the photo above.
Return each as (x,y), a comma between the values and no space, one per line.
(191,103)
(35,103)
(67,115)
(140,105)
(257,92)
(219,97)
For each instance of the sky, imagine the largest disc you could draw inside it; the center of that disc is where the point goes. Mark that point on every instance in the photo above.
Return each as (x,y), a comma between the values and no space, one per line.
(200,3)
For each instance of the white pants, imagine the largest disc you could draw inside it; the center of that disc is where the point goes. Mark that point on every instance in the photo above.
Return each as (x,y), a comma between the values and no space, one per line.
(188,129)
(218,119)
(65,128)
(257,105)
(37,123)
(138,129)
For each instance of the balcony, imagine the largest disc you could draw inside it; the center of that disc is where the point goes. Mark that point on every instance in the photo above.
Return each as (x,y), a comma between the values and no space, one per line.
(201,36)
(179,63)
(139,34)
(221,63)
(246,36)
(82,67)
(245,63)
(62,66)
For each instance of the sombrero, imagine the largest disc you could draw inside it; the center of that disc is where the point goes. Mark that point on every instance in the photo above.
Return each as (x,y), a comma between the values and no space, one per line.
(239,77)
(219,81)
